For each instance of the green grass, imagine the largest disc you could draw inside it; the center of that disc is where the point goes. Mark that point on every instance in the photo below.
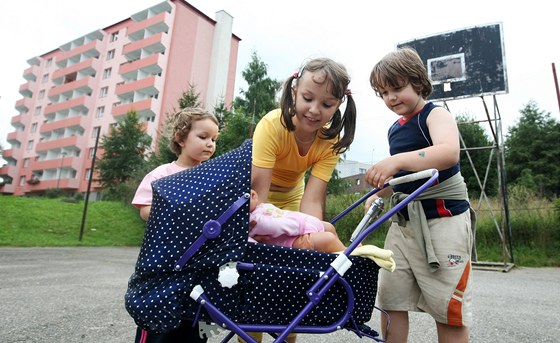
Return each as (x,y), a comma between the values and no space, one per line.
(44,222)
(535,230)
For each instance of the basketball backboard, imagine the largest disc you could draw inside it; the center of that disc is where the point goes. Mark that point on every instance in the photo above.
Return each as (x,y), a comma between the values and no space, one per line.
(464,63)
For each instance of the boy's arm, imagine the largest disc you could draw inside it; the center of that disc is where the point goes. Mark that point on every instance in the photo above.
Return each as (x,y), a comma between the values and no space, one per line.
(443,154)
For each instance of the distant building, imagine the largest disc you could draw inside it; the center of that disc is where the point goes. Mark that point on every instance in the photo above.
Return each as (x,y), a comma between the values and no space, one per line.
(75,92)
(354,173)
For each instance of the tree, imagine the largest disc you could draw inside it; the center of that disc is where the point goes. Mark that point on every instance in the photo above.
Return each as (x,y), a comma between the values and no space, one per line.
(123,159)
(163,153)
(189,98)
(532,150)
(236,126)
(260,96)
(474,136)
(235,132)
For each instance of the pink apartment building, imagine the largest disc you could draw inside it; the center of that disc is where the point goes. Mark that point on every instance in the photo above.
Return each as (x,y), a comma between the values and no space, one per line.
(78,90)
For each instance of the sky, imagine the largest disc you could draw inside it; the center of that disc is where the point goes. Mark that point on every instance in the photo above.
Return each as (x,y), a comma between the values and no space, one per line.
(285,34)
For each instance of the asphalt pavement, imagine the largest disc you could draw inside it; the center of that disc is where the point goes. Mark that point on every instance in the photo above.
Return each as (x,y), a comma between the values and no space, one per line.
(67,295)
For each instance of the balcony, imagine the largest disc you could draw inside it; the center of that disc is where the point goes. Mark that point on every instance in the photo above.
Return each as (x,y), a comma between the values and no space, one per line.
(23,105)
(153,45)
(82,86)
(55,163)
(8,153)
(86,67)
(145,86)
(8,170)
(72,141)
(159,8)
(89,50)
(43,185)
(16,136)
(76,121)
(155,24)
(143,108)
(25,90)
(79,104)
(30,74)
(17,123)
(150,65)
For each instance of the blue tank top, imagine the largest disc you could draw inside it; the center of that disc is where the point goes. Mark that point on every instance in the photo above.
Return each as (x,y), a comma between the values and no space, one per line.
(412,135)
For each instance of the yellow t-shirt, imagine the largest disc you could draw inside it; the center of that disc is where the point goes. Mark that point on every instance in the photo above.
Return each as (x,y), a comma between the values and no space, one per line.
(274,147)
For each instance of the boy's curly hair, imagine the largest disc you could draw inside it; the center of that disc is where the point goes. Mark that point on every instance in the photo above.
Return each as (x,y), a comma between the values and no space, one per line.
(399,68)
(180,123)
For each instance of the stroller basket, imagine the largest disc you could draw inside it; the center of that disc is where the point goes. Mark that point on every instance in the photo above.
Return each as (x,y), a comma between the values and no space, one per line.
(199,225)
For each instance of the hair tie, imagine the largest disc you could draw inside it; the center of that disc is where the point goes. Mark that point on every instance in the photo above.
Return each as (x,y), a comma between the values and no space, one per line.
(298,73)
(348,92)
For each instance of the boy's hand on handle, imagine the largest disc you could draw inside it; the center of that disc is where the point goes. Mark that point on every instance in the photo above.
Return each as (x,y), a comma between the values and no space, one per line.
(381,172)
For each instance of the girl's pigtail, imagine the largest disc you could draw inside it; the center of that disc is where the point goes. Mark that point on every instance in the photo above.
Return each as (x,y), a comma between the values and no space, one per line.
(287,104)
(348,124)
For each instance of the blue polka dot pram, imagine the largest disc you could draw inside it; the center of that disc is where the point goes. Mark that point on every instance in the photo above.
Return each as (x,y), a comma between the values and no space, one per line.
(196,264)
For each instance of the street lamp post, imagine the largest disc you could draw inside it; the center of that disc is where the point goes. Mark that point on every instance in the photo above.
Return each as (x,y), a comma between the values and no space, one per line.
(60,170)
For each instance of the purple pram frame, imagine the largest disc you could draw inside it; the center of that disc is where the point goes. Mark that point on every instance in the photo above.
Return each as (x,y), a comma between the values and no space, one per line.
(317,291)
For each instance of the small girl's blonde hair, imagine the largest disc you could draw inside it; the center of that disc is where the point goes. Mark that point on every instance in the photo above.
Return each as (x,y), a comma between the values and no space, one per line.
(180,124)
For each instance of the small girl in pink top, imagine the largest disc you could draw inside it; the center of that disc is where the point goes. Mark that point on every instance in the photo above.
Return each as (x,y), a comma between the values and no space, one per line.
(193,140)
(272,225)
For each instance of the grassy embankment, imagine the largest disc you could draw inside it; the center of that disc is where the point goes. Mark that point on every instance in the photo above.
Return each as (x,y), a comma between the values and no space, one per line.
(44,222)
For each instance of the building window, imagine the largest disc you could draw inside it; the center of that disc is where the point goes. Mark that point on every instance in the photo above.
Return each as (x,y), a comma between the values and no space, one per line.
(41,94)
(49,62)
(107,73)
(100,111)
(95,131)
(114,36)
(115,104)
(30,145)
(25,163)
(37,110)
(363,170)
(22,181)
(45,78)
(87,174)
(91,151)
(110,55)
(103,92)
(358,182)
(33,128)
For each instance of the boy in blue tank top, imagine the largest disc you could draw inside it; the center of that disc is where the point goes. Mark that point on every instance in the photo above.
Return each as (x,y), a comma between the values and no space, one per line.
(432,245)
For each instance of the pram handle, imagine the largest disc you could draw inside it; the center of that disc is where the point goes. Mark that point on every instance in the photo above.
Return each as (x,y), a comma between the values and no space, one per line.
(396,181)
(424,174)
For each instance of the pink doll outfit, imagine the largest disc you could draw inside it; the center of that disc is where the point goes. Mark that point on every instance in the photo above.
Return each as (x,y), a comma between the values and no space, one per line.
(282,226)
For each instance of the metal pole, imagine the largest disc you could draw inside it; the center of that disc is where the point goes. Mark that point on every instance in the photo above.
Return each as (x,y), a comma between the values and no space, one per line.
(556,84)
(89,184)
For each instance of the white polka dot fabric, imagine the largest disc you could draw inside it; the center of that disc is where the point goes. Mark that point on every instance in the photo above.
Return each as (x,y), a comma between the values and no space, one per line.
(276,291)
(158,296)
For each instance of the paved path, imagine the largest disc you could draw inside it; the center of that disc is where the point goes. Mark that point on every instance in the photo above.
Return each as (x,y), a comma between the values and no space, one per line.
(67,295)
